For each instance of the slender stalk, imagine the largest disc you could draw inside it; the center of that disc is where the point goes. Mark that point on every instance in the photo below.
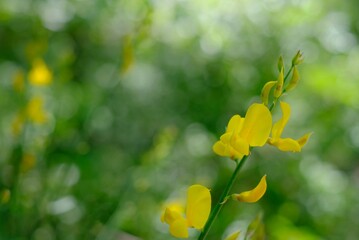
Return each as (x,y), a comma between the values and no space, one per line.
(287,75)
(221,200)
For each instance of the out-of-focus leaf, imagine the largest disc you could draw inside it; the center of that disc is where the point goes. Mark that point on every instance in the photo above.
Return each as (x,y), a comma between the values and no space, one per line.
(255,230)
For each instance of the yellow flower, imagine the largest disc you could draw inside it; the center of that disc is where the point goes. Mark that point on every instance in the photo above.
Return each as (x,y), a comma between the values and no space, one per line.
(253,195)
(197,212)
(35,110)
(40,74)
(242,133)
(286,144)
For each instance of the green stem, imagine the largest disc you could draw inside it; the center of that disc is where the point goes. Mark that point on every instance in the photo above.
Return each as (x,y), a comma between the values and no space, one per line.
(287,75)
(221,202)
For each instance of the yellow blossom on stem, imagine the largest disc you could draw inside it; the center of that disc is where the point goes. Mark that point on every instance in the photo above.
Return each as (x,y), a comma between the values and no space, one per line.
(286,144)
(40,75)
(251,131)
(253,195)
(197,212)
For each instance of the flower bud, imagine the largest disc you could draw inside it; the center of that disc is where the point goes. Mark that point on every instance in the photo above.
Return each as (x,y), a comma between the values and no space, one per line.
(266,90)
(280,63)
(297,59)
(279,86)
(294,80)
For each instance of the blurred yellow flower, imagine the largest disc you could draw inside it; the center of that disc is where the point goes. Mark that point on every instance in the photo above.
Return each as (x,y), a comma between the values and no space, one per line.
(40,75)
(28,161)
(253,195)
(35,110)
(286,144)
(241,133)
(197,212)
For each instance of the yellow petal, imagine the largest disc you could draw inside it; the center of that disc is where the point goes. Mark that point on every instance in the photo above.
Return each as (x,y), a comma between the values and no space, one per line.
(257,125)
(170,215)
(221,149)
(266,90)
(226,150)
(233,236)
(235,143)
(198,206)
(241,146)
(224,147)
(253,195)
(279,126)
(303,140)
(235,124)
(287,145)
(227,137)
(178,228)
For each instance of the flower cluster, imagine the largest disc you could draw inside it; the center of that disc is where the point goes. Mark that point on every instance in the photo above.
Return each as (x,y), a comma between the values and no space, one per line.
(240,137)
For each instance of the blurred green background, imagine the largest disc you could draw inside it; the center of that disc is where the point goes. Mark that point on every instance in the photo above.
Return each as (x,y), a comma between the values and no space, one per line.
(109,109)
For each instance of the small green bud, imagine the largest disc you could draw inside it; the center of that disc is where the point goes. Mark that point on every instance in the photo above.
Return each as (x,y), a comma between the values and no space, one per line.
(297,59)
(294,80)
(279,86)
(280,63)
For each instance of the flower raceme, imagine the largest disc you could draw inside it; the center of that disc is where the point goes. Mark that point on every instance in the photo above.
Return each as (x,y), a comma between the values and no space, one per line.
(197,212)
(286,144)
(242,133)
